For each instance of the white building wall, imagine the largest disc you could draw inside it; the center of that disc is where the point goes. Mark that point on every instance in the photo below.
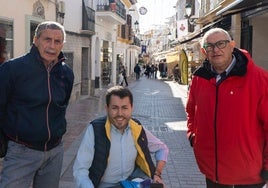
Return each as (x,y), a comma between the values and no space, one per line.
(133,52)
(20,15)
(73,15)
(114,65)
(260,40)
(76,41)
(95,57)
(105,31)
(121,49)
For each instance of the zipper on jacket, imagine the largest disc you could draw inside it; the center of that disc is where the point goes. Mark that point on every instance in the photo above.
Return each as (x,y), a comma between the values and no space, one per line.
(215,126)
(215,134)
(48,104)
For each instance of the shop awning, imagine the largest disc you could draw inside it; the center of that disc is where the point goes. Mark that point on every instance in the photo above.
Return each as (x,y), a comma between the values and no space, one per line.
(160,56)
(239,6)
(172,57)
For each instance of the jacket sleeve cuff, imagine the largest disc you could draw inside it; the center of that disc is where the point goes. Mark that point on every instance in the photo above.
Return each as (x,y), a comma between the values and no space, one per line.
(264,175)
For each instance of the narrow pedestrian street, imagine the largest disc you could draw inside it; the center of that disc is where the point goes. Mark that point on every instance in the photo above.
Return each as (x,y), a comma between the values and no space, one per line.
(159,105)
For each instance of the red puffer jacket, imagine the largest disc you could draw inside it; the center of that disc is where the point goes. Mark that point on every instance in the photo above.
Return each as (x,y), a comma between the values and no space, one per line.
(228,123)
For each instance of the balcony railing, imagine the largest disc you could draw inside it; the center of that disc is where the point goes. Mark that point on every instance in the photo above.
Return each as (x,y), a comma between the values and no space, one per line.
(88,19)
(115,6)
(136,41)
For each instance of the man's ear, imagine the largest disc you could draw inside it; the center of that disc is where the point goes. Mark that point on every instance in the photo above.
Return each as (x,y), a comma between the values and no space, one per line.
(232,43)
(203,51)
(34,39)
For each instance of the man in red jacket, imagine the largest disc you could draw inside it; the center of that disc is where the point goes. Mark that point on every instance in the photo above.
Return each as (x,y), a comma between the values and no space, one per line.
(227,115)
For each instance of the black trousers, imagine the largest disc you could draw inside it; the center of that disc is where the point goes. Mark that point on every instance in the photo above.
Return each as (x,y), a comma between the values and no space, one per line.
(125,78)
(211,184)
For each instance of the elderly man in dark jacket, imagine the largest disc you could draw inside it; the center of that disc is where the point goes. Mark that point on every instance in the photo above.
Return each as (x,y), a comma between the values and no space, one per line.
(34,93)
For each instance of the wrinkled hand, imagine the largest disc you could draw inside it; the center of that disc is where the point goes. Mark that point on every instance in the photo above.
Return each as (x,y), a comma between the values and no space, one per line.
(3,144)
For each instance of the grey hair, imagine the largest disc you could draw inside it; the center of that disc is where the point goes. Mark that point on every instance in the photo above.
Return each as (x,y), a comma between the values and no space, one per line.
(213,31)
(49,25)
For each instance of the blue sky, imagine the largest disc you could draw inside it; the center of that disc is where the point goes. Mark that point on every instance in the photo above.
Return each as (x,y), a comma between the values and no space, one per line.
(158,11)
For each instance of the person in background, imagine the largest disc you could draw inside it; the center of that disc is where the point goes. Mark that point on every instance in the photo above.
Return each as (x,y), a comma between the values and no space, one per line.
(148,71)
(124,74)
(152,71)
(137,71)
(176,73)
(227,115)
(121,79)
(117,147)
(143,70)
(155,71)
(34,93)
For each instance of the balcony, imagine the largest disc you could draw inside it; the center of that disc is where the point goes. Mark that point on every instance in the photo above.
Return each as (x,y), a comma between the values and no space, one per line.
(136,41)
(114,12)
(88,20)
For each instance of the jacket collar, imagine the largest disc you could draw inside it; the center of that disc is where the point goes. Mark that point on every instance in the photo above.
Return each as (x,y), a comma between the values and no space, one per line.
(239,68)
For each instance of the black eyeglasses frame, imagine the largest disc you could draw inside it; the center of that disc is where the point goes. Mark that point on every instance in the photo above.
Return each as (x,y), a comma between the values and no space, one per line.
(219,44)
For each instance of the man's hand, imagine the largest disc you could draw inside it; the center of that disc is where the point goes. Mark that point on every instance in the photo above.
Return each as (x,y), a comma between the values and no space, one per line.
(3,144)
(157,179)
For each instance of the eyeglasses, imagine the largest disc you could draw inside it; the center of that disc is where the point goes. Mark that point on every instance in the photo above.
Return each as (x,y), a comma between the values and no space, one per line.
(220,44)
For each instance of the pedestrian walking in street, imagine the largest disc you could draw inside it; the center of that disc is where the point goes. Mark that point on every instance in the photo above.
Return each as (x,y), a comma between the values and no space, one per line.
(155,71)
(120,79)
(124,74)
(137,71)
(148,71)
(176,73)
(117,148)
(227,115)
(34,93)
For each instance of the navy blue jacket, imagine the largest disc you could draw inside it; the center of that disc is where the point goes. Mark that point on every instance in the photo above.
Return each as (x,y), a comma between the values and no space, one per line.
(33,100)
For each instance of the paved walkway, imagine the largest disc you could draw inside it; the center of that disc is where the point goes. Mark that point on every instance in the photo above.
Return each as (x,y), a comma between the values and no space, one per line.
(159,105)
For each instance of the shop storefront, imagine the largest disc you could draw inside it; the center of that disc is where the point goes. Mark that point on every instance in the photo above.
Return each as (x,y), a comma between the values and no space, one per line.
(106,63)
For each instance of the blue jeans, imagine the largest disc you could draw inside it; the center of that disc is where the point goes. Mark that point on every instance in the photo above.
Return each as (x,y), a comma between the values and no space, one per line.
(23,167)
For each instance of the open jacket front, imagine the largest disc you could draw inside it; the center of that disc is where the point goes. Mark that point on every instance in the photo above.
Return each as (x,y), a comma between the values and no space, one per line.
(230,122)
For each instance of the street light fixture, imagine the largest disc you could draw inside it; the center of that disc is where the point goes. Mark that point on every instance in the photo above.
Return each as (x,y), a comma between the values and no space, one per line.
(136,26)
(136,33)
(190,17)
(188,10)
